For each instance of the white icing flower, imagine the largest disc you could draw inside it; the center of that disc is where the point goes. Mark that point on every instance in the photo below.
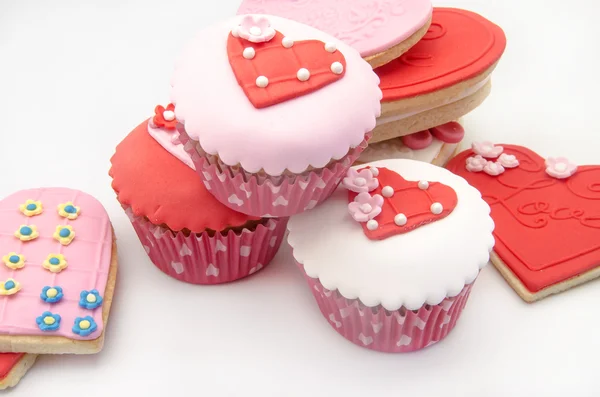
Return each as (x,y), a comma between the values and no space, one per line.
(487,149)
(360,181)
(508,160)
(560,167)
(476,163)
(493,169)
(365,207)
(255,30)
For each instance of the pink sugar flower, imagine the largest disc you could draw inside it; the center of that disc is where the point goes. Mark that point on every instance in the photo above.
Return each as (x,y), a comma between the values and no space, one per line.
(487,149)
(493,169)
(476,163)
(365,207)
(360,181)
(508,160)
(560,167)
(255,30)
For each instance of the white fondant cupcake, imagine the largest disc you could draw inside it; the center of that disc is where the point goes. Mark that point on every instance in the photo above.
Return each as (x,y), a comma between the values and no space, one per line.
(392,255)
(273,112)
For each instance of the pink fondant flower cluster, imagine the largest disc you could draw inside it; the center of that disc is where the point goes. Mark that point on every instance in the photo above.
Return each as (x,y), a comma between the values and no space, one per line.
(365,207)
(560,167)
(360,181)
(487,150)
(255,30)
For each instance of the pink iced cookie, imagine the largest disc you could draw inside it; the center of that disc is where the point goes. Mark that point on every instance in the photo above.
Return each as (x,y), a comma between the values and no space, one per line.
(277,116)
(383,280)
(57,273)
(380,30)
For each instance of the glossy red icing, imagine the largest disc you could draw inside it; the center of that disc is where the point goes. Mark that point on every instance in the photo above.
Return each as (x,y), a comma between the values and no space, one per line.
(451,132)
(8,362)
(157,185)
(418,140)
(408,199)
(458,46)
(280,66)
(547,229)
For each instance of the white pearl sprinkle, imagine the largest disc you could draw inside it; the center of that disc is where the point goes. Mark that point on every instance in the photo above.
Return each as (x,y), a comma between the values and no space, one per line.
(387,191)
(360,181)
(372,224)
(561,167)
(423,185)
(303,74)
(330,47)
(400,220)
(374,171)
(249,53)
(337,68)
(255,31)
(286,42)
(262,81)
(169,115)
(436,208)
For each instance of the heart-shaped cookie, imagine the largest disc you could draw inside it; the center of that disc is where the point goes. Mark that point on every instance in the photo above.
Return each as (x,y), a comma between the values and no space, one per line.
(547,216)
(396,205)
(301,67)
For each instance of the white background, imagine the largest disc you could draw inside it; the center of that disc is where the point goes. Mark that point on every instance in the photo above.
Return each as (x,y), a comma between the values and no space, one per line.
(76,76)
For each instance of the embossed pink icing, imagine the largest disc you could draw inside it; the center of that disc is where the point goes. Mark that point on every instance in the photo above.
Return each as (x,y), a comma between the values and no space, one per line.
(360,181)
(365,207)
(476,163)
(309,130)
(560,167)
(369,26)
(169,140)
(88,257)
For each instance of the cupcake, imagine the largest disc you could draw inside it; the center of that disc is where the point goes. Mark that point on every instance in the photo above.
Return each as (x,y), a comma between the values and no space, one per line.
(272,112)
(185,231)
(391,261)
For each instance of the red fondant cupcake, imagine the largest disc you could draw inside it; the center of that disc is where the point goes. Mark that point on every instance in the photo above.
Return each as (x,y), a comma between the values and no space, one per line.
(186,232)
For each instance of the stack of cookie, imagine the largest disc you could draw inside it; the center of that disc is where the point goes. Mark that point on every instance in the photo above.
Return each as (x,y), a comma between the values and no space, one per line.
(57,277)
(434,65)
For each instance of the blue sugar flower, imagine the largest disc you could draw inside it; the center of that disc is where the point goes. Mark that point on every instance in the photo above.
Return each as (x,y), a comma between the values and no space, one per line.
(90,299)
(84,326)
(48,321)
(51,294)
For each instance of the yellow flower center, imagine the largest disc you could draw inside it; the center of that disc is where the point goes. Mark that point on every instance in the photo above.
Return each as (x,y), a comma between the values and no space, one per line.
(49,320)
(91,298)
(51,293)
(84,324)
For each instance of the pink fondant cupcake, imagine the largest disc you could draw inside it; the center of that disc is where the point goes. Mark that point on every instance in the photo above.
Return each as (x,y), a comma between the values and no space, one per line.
(185,231)
(391,261)
(273,112)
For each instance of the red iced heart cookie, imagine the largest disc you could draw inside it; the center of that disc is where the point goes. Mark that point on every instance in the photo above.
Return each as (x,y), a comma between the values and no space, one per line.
(418,140)
(277,70)
(451,132)
(547,228)
(404,205)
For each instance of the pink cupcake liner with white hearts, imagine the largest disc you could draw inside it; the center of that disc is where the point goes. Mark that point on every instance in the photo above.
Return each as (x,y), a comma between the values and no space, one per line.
(266,196)
(399,331)
(205,259)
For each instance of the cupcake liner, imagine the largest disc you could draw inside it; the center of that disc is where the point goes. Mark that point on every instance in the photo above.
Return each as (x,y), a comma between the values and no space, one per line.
(205,259)
(264,195)
(392,332)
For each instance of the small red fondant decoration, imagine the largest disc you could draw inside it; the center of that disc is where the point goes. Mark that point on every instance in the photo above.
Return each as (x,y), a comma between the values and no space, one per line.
(165,118)
(406,205)
(274,69)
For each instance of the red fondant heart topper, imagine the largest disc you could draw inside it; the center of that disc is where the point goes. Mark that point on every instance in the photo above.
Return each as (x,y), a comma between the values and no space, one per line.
(386,204)
(271,68)
(546,215)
